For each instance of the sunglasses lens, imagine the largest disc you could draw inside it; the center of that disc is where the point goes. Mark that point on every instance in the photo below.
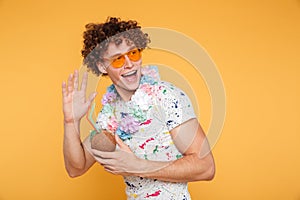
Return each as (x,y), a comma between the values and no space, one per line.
(118,62)
(133,55)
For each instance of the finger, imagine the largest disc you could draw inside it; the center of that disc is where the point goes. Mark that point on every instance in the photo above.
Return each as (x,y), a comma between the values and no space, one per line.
(121,144)
(103,154)
(64,89)
(84,82)
(101,161)
(76,80)
(110,171)
(70,83)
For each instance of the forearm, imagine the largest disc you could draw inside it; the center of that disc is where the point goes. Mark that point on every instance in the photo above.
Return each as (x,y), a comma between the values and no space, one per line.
(75,106)
(186,169)
(73,150)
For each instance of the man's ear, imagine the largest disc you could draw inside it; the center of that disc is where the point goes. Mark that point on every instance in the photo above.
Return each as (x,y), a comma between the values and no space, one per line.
(101,68)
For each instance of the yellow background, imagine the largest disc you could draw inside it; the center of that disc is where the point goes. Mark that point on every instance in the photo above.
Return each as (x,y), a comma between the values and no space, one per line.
(255,45)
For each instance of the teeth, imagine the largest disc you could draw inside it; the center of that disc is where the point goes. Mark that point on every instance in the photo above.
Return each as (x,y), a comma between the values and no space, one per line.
(129,73)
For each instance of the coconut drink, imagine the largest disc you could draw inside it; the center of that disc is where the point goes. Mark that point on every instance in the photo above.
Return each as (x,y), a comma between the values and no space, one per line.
(103,141)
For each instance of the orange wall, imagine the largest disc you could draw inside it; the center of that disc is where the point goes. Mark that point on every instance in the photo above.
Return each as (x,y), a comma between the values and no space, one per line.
(255,45)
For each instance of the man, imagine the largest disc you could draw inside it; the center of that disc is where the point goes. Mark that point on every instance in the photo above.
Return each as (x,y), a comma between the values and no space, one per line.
(161,145)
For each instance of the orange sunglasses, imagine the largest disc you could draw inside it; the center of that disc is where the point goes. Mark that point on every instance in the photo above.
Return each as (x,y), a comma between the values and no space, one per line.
(133,55)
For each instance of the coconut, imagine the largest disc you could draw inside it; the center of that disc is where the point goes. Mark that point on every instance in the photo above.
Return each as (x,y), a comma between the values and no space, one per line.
(104,141)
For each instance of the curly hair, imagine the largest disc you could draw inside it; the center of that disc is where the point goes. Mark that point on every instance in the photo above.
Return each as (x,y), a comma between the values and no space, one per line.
(97,37)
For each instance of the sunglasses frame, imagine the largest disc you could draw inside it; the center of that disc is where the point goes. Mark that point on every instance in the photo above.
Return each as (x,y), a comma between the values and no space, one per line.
(111,60)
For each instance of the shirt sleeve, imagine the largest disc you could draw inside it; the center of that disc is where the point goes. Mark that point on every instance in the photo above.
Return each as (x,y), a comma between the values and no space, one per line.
(175,104)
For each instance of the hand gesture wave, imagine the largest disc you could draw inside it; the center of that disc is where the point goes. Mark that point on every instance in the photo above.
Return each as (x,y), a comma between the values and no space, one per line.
(75,103)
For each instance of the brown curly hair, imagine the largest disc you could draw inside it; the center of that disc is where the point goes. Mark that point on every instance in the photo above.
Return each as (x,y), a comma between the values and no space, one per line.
(97,37)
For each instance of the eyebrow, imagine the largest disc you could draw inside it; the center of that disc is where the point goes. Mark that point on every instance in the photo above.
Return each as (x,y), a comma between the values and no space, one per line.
(119,54)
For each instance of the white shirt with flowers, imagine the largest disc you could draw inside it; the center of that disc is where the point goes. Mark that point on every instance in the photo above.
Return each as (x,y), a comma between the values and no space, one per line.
(155,109)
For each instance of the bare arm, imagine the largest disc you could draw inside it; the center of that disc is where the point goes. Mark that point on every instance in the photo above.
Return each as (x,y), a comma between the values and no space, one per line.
(196,164)
(76,154)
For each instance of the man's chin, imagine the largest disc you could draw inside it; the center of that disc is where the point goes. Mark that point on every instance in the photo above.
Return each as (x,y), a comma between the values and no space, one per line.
(128,88)
(132,87)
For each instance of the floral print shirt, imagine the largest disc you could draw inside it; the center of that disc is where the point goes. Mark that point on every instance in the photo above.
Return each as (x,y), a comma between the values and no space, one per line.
(153,111)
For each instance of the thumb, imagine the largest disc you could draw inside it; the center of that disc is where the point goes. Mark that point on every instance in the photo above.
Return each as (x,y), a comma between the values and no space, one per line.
(121,144)
(92,97)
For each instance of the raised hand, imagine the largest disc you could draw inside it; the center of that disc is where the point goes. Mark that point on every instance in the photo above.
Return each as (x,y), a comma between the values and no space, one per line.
(75,104)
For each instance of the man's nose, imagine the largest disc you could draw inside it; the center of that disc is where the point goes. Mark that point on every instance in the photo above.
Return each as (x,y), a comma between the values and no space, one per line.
(128,62)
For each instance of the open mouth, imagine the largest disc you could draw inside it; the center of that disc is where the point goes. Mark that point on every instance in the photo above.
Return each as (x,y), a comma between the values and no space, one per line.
(132,73)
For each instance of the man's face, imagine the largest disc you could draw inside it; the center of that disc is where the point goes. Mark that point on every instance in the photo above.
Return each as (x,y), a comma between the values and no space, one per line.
(126,78)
